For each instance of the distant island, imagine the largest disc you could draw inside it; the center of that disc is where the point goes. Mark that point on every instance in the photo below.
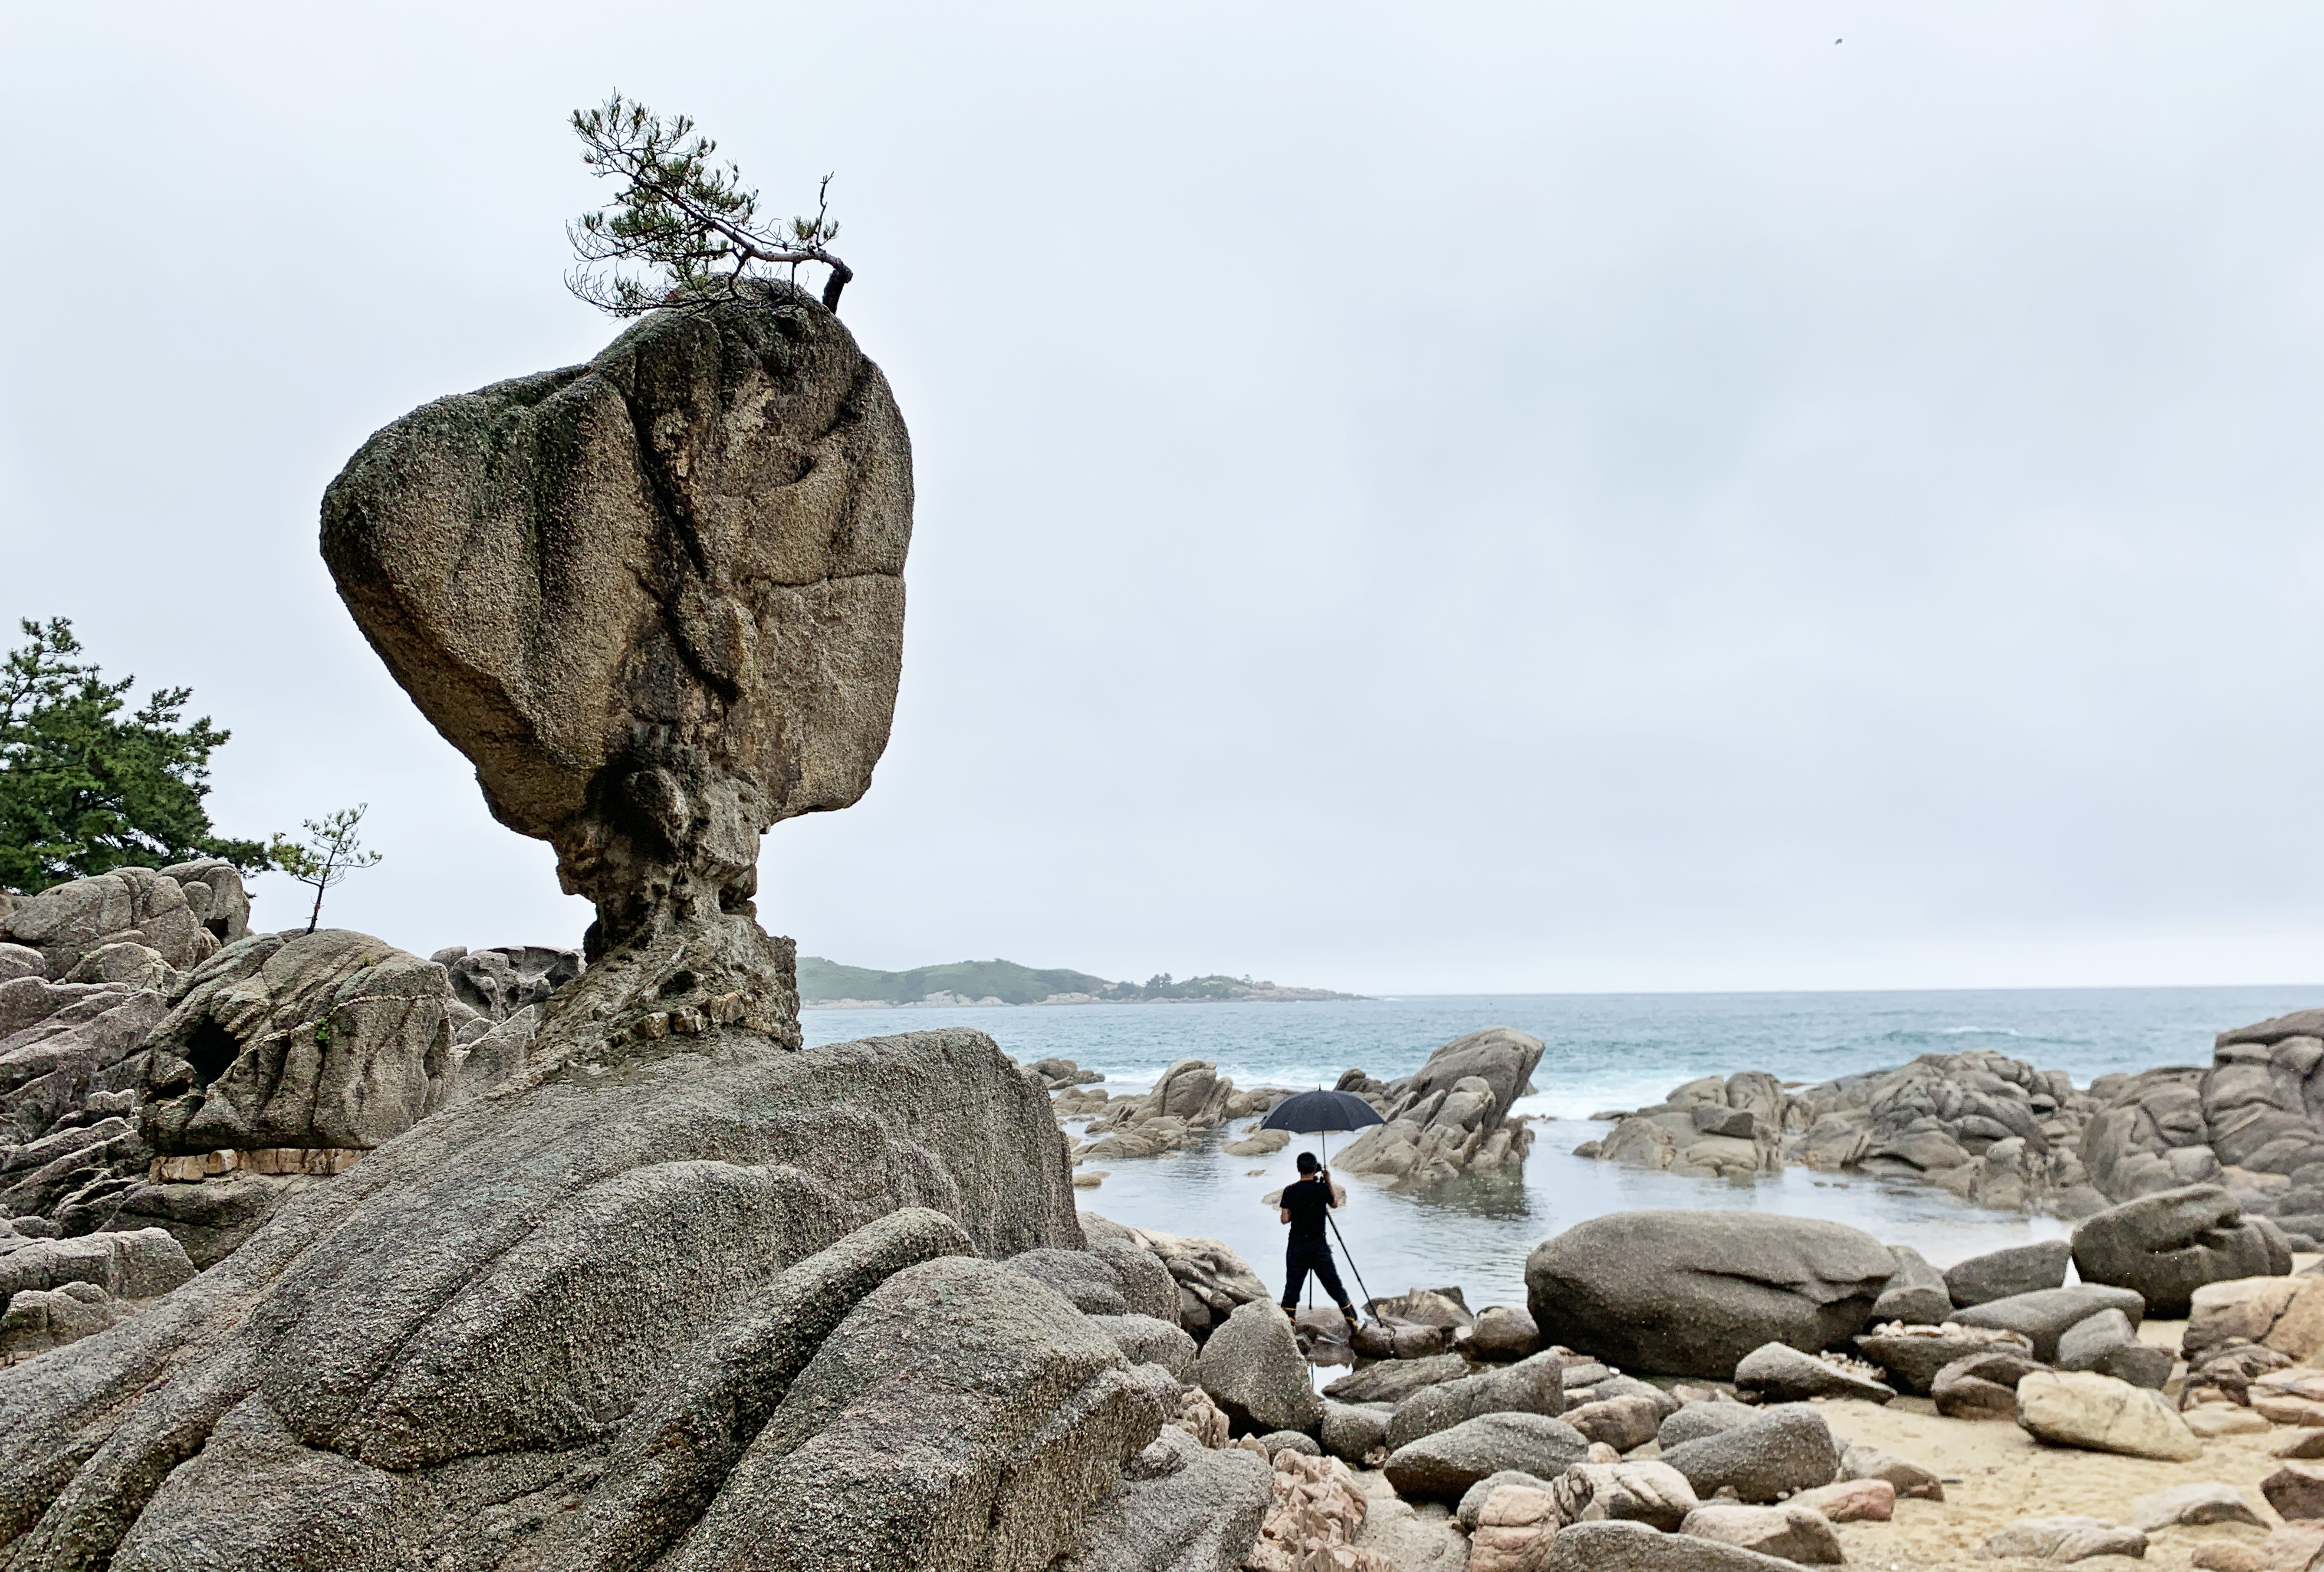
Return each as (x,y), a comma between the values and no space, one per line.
(829,985)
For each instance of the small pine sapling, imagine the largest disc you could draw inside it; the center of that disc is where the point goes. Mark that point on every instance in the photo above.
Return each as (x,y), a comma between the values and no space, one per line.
(334,849)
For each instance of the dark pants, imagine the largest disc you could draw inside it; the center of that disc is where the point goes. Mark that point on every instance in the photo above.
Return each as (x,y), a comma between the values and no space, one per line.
(1306,1256)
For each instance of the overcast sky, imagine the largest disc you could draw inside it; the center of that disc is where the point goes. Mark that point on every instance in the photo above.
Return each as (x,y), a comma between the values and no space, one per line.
(1411,498)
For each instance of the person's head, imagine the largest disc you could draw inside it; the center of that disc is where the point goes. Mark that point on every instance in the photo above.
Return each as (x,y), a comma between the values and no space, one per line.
(1308,1163)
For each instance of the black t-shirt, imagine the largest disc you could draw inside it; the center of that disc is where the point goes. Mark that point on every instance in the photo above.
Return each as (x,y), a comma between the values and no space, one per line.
(1307,1201)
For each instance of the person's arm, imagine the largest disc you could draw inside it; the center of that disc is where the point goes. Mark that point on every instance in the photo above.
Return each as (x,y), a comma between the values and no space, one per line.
(1332,1189)
(1283,1215)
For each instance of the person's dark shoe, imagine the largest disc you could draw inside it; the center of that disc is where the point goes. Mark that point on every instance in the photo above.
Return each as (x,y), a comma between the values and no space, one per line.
(1350,1312)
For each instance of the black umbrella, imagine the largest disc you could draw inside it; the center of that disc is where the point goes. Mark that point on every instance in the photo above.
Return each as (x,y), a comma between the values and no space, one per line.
(1309,1112)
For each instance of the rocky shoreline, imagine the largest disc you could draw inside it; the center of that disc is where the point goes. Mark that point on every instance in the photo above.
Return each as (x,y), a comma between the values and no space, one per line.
(1998,1132)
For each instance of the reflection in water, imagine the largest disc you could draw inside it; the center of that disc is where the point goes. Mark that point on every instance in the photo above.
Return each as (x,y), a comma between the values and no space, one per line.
(1476,1232)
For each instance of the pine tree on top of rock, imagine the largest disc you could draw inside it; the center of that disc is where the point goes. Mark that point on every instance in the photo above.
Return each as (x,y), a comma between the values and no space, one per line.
(85,789)
(691,221)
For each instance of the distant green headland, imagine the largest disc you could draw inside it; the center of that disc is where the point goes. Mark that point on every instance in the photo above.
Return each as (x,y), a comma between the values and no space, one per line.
(998,982)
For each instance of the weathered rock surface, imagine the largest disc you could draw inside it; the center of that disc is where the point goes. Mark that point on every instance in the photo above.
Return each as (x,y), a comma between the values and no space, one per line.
(1787,1450)
(1620,1547)
(1252,1368)
(1443,1465)
(1906,1477)
(1913,1355)
(1982,1385)
(1455,1115)
(1532,1386)
(2022,1269)
(1353,1432)
(86,968)
(1502,1332)
(2062,1539)
(1992,1129)
(657,599)
(1917,1296)
(594,1267)
(2168,1245)
(1651,1493)
(2285,1314)
(1211,1280)
(2043,1318)
(1179,1508)
(1143,1340)
(1779,1373)
(1790,1533)
(1394,1381)
(1691,1293)
(1851,1501)
(2102,1414)
(2192,1506)
(1511,1527)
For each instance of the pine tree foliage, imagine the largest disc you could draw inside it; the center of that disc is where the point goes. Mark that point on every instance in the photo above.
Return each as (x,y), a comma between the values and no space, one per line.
(691,221)
(87,784)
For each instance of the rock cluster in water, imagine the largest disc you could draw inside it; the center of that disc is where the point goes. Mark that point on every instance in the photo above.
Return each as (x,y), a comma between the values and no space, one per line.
(1997,1132)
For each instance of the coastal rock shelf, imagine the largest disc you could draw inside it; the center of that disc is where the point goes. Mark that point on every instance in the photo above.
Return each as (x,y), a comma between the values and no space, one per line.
(1997,1132)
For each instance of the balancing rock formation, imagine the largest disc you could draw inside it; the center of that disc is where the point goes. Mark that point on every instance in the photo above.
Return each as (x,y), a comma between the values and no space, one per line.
(653,1287)
(659,600)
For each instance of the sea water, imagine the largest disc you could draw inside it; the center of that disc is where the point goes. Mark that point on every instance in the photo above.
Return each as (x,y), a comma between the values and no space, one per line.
(1605,1051)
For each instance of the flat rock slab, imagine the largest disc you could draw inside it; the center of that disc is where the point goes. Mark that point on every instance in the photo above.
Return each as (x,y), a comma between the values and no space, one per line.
(2063,1538)
(1788,1450)
(1790,1533)
(1912,1359)
(1442,1466)
(2192,1506)
(1612,1547)
(2102,1414)
(1779,1373)
(2043,1318)
(2022,1269)
(1392,1381)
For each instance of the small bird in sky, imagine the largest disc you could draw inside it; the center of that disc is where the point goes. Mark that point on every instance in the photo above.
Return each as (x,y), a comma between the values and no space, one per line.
(1838,41)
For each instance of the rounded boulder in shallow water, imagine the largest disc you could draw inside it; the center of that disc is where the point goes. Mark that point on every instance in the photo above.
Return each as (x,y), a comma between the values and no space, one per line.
(1252,1368)
(2022,1269)
(2167,1245)
(1691,1293)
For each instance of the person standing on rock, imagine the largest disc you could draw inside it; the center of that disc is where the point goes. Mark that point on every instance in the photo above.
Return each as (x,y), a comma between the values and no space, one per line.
(1305,1204)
